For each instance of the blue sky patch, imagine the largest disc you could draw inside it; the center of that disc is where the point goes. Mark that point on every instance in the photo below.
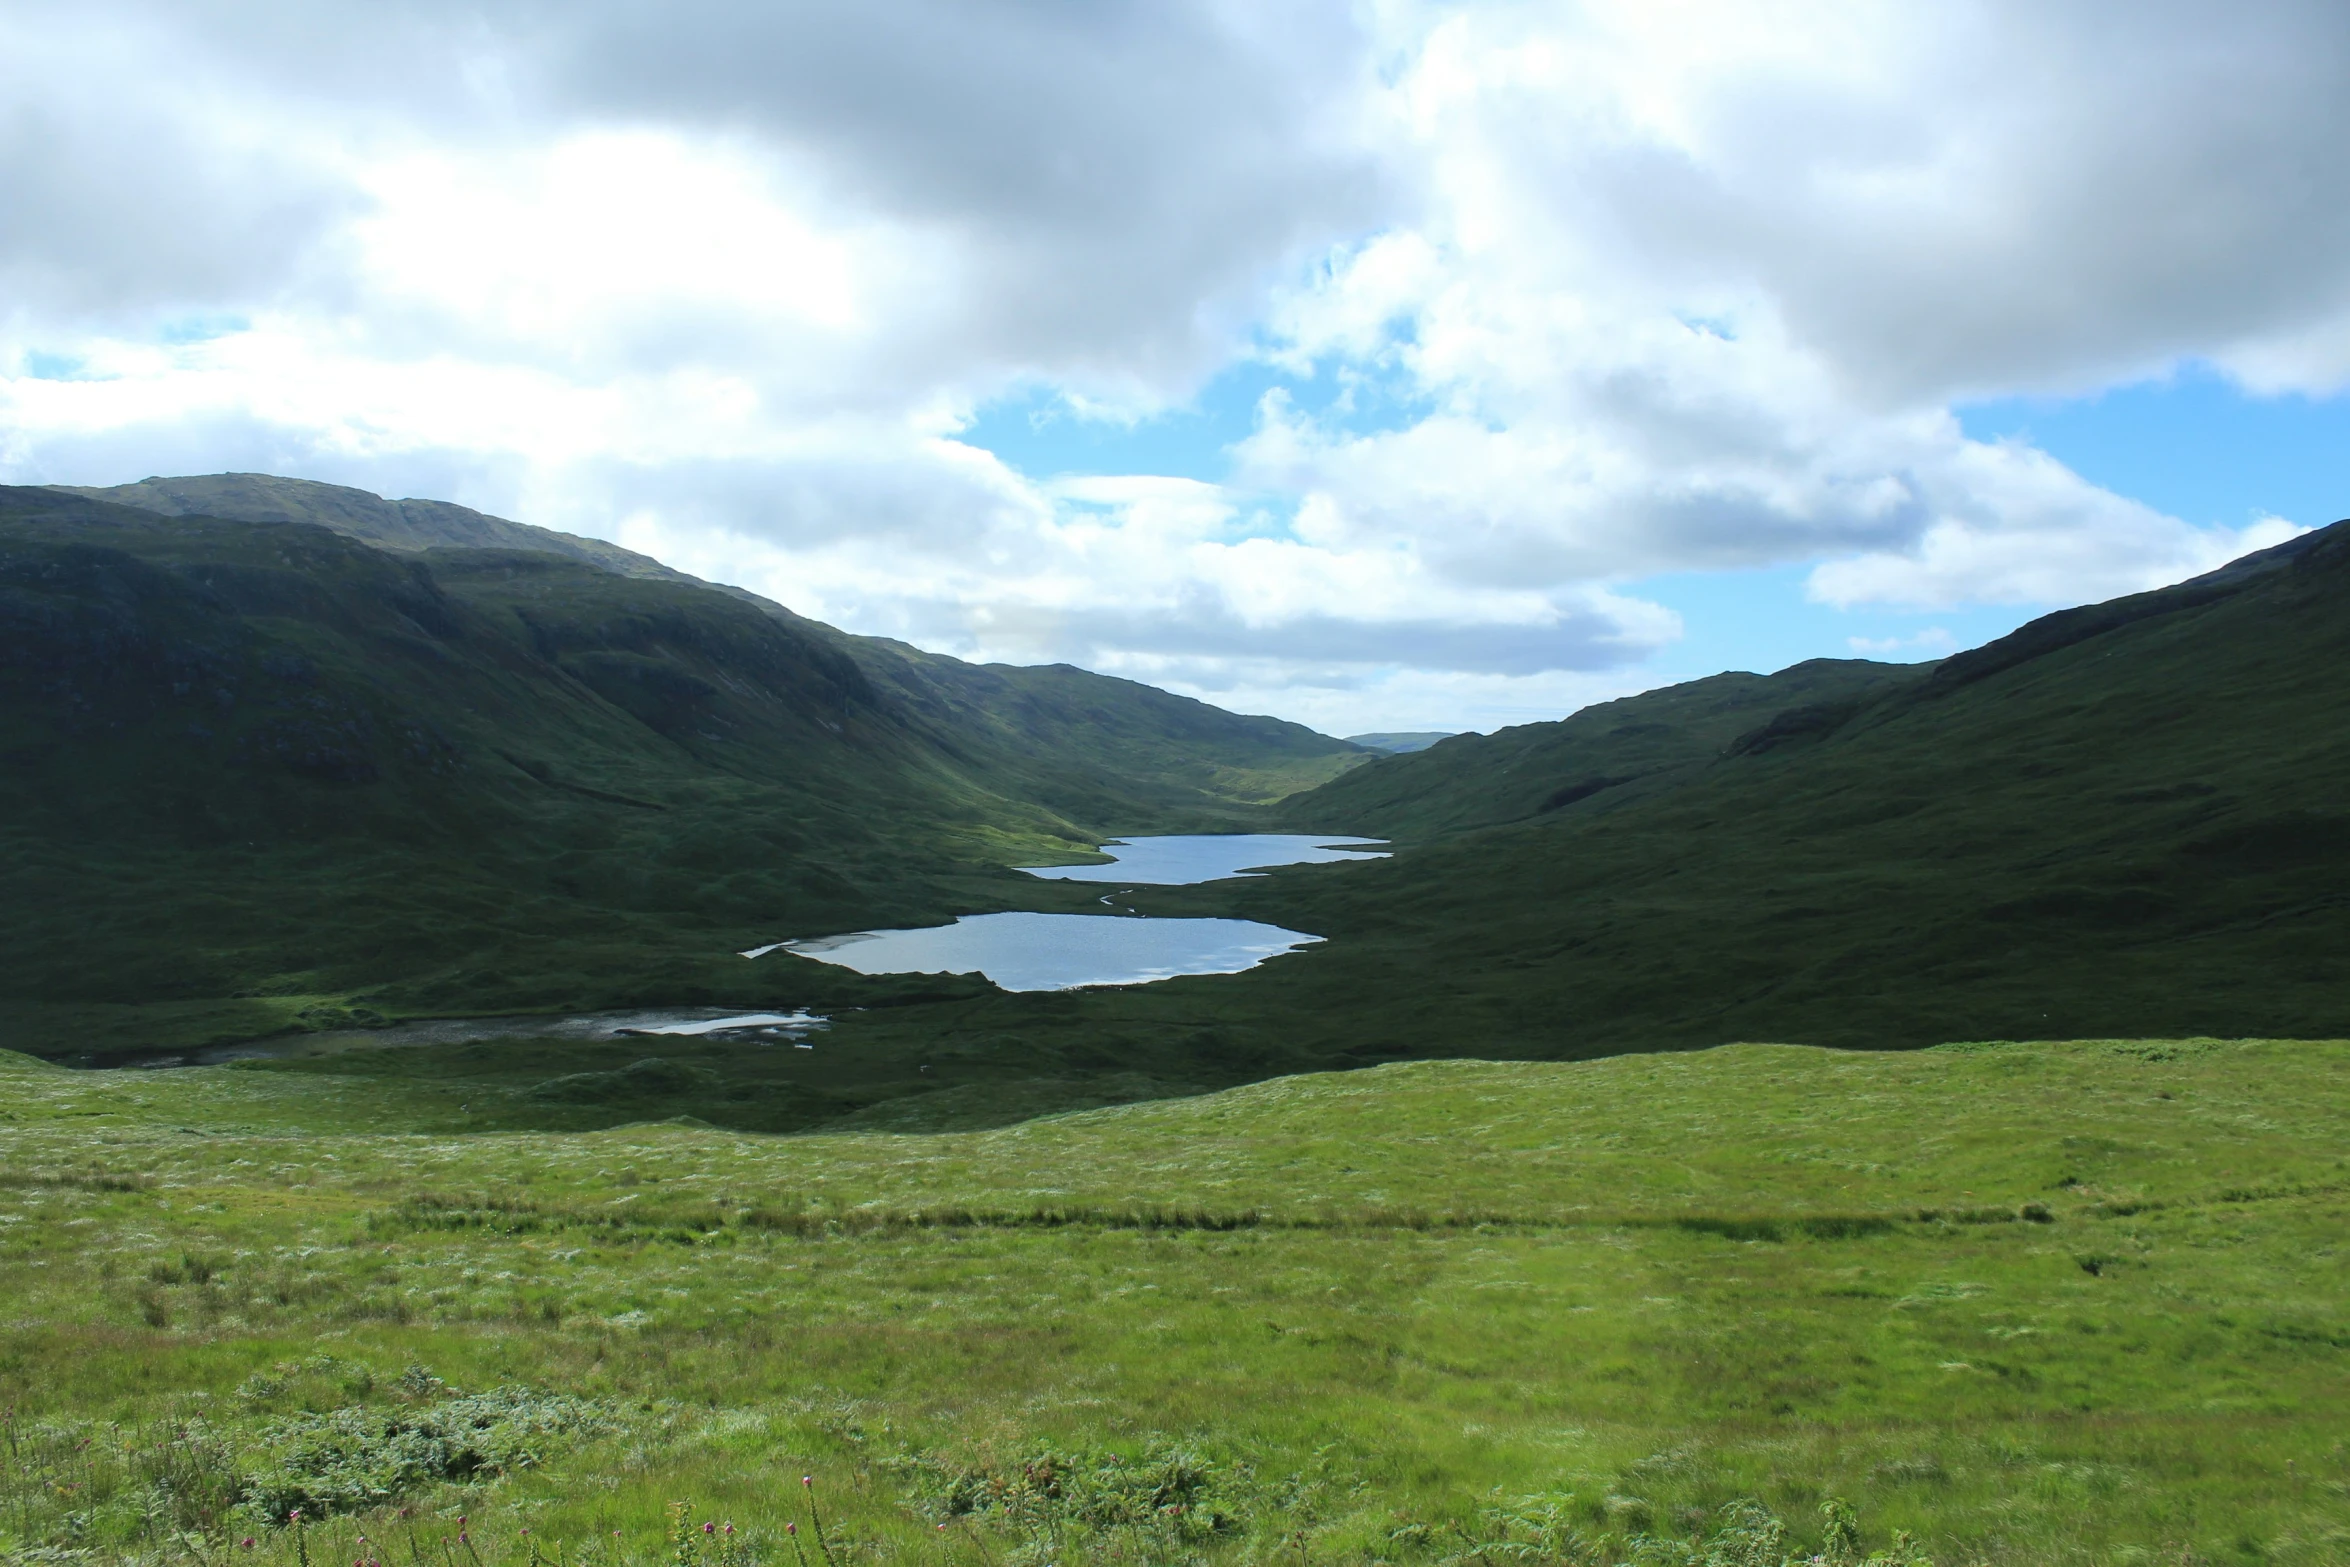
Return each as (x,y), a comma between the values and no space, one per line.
(183,330)
(2194,445)
(1039,433)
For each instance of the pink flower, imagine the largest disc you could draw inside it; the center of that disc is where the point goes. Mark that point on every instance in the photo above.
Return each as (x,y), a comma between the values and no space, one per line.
(709,1528)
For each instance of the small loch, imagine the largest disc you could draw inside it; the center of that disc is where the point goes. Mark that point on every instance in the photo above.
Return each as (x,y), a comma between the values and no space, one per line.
(1066,951)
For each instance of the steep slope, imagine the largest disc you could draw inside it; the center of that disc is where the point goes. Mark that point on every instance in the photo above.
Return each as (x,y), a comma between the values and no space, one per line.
(1111,752)
(2121,820)
(1092,746)
(1601,758)
(266,760)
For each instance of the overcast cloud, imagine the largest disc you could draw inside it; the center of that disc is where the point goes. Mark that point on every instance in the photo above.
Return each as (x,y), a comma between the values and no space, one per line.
(1611,290)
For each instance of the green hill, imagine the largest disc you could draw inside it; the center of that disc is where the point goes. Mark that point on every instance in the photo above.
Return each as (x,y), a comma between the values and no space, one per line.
(1103,749)
(1608,754)
(262,771)
(2123,819)
(388,524)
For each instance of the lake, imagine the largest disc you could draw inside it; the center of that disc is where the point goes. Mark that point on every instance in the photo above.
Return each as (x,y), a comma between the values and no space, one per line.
(1060,951)
(1064,951)
(1181,860)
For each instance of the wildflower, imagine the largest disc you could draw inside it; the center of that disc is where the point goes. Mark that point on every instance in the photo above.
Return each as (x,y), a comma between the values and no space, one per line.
(711,1528)
(246,1543)
(791,1528)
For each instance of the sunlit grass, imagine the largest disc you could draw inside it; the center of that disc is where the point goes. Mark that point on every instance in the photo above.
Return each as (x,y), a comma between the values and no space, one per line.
(2031,1303)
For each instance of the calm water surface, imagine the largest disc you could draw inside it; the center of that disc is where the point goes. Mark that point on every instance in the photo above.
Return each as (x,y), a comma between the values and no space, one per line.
(1063,951)
(1060,951)
(1181,860)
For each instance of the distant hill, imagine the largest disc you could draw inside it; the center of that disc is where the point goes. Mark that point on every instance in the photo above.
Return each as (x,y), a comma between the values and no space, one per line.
(257,761)
(1098,745)
(2124,820)
(253,772)
(1401,743)
(1601,758)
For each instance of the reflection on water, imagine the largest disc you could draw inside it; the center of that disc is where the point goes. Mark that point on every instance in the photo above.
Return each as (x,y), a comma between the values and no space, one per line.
(1060,951)
(732,1023)
(1179,860)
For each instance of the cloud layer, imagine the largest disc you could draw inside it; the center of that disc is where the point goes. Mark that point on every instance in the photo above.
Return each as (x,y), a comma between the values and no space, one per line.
(1562,296)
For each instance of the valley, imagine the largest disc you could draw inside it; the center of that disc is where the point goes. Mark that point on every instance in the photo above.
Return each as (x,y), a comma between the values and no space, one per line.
(1915,1090)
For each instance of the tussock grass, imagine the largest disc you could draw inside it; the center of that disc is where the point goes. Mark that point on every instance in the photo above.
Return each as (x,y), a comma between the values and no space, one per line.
(2073,1303)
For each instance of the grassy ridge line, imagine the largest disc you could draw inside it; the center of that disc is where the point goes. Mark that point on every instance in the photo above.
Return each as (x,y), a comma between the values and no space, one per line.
(1599,759)
(1102,750)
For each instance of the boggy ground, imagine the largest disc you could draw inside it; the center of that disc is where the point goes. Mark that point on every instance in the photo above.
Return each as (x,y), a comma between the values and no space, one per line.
(2032,1303)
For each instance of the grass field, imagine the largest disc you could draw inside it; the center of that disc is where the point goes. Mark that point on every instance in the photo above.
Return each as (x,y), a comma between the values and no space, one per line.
(2075,1303)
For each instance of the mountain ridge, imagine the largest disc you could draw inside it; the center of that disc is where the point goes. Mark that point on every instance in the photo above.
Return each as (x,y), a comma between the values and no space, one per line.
(1242,757)
(485,779)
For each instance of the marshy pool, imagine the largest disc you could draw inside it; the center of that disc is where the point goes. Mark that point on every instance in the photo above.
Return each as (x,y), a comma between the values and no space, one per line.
(766,1028)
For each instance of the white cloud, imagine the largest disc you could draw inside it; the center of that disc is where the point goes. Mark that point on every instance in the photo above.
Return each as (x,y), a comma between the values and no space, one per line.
(1933,642)
(1613,288)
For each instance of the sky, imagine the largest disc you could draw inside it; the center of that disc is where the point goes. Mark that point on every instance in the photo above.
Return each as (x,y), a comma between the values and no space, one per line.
(1384,366)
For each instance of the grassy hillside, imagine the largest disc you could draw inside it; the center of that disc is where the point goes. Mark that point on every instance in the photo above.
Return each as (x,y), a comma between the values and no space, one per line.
(2033,1304)
(2121,820)
(261,774)
(388,524)
(1094,747)
(1601,758)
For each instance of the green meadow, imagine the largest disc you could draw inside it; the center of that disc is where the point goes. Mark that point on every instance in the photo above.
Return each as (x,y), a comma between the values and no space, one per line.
(2022,1303)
